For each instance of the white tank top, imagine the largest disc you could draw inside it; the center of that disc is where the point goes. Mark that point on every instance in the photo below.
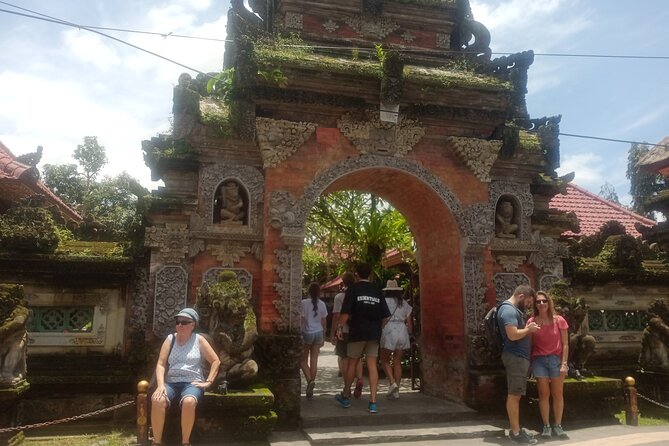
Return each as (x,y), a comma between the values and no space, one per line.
(185,361)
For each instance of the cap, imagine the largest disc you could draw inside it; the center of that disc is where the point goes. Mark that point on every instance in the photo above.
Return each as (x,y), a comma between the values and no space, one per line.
(190,314)
(391,285)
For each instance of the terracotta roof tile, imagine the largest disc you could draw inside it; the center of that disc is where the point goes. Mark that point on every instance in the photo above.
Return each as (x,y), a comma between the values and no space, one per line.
(593,211)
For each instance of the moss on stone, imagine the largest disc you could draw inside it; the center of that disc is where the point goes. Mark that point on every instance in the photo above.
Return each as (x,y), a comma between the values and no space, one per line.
(85,248)
(432,3)
(309,61)
(529,141)
(215,113)
(450,78)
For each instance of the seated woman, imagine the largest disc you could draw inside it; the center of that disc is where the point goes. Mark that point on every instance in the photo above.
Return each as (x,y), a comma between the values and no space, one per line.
(179,375)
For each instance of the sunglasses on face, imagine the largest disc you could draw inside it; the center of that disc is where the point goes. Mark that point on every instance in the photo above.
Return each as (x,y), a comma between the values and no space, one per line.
(541,302)
(184,322)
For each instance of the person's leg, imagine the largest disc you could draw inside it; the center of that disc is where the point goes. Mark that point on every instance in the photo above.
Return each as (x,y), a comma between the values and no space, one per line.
(304,362)
(513,412)
(544,391)
(158,411)
(348,377)
(385,363)
(397,366)
(358,371)
(313,360)
(188,405)
(373,377)
(557,386)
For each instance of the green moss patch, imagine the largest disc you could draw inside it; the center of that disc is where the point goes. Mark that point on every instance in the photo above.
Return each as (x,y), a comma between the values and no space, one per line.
(529,141)
(454,78)
(216,114)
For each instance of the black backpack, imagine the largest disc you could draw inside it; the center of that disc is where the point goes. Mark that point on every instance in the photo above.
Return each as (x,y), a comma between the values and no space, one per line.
(492,331)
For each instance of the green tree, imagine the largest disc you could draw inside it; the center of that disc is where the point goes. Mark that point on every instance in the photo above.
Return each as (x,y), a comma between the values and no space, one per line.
(66,182)
(608,192)
(348,226)
(643,184)
(92,158)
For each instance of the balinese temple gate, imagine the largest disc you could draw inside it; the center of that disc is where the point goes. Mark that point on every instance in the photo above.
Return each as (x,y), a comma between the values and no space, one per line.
(428,122)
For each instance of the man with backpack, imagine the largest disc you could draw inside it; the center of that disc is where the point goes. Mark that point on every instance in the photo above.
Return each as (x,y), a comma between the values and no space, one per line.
(516,355)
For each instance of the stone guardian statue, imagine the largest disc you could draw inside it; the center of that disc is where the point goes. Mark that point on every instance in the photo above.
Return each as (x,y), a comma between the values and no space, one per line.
(13,335)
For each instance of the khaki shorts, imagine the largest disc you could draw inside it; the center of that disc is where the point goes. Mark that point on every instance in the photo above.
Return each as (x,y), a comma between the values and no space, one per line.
(358,348)
(517,369)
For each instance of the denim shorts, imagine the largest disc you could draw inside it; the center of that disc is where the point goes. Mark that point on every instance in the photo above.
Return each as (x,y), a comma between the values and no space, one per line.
(172,390)
(547,366)
(313,338)
(516,373)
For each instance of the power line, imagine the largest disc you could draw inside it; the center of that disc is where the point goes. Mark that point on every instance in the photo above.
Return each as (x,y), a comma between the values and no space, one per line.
(666,146)
(74,25)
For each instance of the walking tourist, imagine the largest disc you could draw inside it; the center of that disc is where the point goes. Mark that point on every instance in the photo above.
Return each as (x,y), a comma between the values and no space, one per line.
(179,375)
(366,311)
(516,355)
(395,336)
(314,320)
(348,279)
(550,351)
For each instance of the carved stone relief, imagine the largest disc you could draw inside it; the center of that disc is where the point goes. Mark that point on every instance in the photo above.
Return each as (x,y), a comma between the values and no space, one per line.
(374,137)
(211,177)
(294,20)
(243,276)
(278,139)
(510,263)
(172,241)
(170,297)
(548,257)
(289,270)
(330,26)
(477,223)
(519,192)
(474,292)
(443,41)
(478,154)
(377,27)
(283,209)
(141,292)
(506,283)
(408,37)
(229,253)
(547,281)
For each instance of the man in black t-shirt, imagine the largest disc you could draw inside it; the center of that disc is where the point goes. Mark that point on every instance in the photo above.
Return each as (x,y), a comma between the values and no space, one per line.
(366,312)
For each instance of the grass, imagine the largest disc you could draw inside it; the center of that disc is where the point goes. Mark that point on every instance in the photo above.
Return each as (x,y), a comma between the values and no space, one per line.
(649,415)
(115,438)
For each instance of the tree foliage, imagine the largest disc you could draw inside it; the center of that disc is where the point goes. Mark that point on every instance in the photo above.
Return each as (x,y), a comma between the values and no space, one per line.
(608,192)
(348,226)
(643,184)
(66,182)
(92,158)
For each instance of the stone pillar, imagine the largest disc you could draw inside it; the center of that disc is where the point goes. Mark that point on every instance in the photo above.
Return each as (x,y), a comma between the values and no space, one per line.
(10,398)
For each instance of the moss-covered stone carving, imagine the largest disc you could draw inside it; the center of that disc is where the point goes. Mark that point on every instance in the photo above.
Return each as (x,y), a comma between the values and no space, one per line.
(28,229)
(13,335)
(655,341)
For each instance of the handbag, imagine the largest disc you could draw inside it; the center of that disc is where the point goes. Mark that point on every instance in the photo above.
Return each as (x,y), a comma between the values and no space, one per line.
(153,383)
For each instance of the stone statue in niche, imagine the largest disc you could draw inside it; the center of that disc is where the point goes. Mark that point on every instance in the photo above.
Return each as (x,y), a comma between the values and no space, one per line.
(504,220)
(229,319)
(230,207)
(655,339)
(13,335)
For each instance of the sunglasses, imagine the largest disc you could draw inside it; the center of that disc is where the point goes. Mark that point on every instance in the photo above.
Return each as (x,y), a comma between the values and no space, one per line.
(184,322)
(541,302)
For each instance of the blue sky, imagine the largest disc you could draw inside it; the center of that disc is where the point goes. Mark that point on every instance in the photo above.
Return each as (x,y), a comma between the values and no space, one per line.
(59,84)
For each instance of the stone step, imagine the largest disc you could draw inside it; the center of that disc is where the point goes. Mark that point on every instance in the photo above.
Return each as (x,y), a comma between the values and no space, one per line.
(401,433)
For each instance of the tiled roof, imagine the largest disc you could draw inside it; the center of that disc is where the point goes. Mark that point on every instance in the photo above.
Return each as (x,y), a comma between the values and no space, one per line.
(658,156)
(23,178)
(593,211)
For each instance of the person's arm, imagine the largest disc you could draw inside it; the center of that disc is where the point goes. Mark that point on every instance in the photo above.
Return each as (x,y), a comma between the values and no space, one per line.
(160,369)
(564,337)
(508,317)
(343,320)
(212,358)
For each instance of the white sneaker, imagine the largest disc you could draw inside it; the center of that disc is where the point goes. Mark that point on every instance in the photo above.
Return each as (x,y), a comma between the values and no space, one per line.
(396,393)
(392,389)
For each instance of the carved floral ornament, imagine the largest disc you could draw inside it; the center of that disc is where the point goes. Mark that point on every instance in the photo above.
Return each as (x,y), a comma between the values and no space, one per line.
(294,20)
(374,137)
(510,264)
(278,139)
(229,253)
(372,26)
(172,241)
(477,154)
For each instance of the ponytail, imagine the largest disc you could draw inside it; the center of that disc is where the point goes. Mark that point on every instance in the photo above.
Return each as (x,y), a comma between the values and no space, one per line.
(314,292)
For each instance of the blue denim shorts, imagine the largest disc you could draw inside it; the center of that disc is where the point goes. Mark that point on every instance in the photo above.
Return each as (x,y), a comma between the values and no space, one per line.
(172,390)
(546,366)
(313,338)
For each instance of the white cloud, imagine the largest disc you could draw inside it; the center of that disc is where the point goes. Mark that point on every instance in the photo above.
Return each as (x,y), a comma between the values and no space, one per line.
(588,167)
(645,119)
(91,49)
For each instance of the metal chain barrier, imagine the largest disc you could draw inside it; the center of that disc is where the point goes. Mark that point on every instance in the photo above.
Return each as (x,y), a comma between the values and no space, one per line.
(653,401)
(65,420)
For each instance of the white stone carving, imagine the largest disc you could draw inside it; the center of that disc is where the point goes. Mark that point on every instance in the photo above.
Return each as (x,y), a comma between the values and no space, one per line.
(375,27)
(443,41)
(278,139)
(510,264)
(478,154)
(506,283)
(172,241)
(170,297)
(294,20)
(408,37)
(330,26)
(374,137)
(229,253)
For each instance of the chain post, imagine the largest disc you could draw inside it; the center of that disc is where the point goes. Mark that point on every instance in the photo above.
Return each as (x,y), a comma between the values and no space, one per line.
(142,413)
(631,406)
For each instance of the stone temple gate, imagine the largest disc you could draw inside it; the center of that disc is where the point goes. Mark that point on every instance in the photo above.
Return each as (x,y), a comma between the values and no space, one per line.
(430,123)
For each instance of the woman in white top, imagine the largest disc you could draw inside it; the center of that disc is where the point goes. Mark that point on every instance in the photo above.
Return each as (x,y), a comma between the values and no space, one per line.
(314,319)
(395,336)
(179,375)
